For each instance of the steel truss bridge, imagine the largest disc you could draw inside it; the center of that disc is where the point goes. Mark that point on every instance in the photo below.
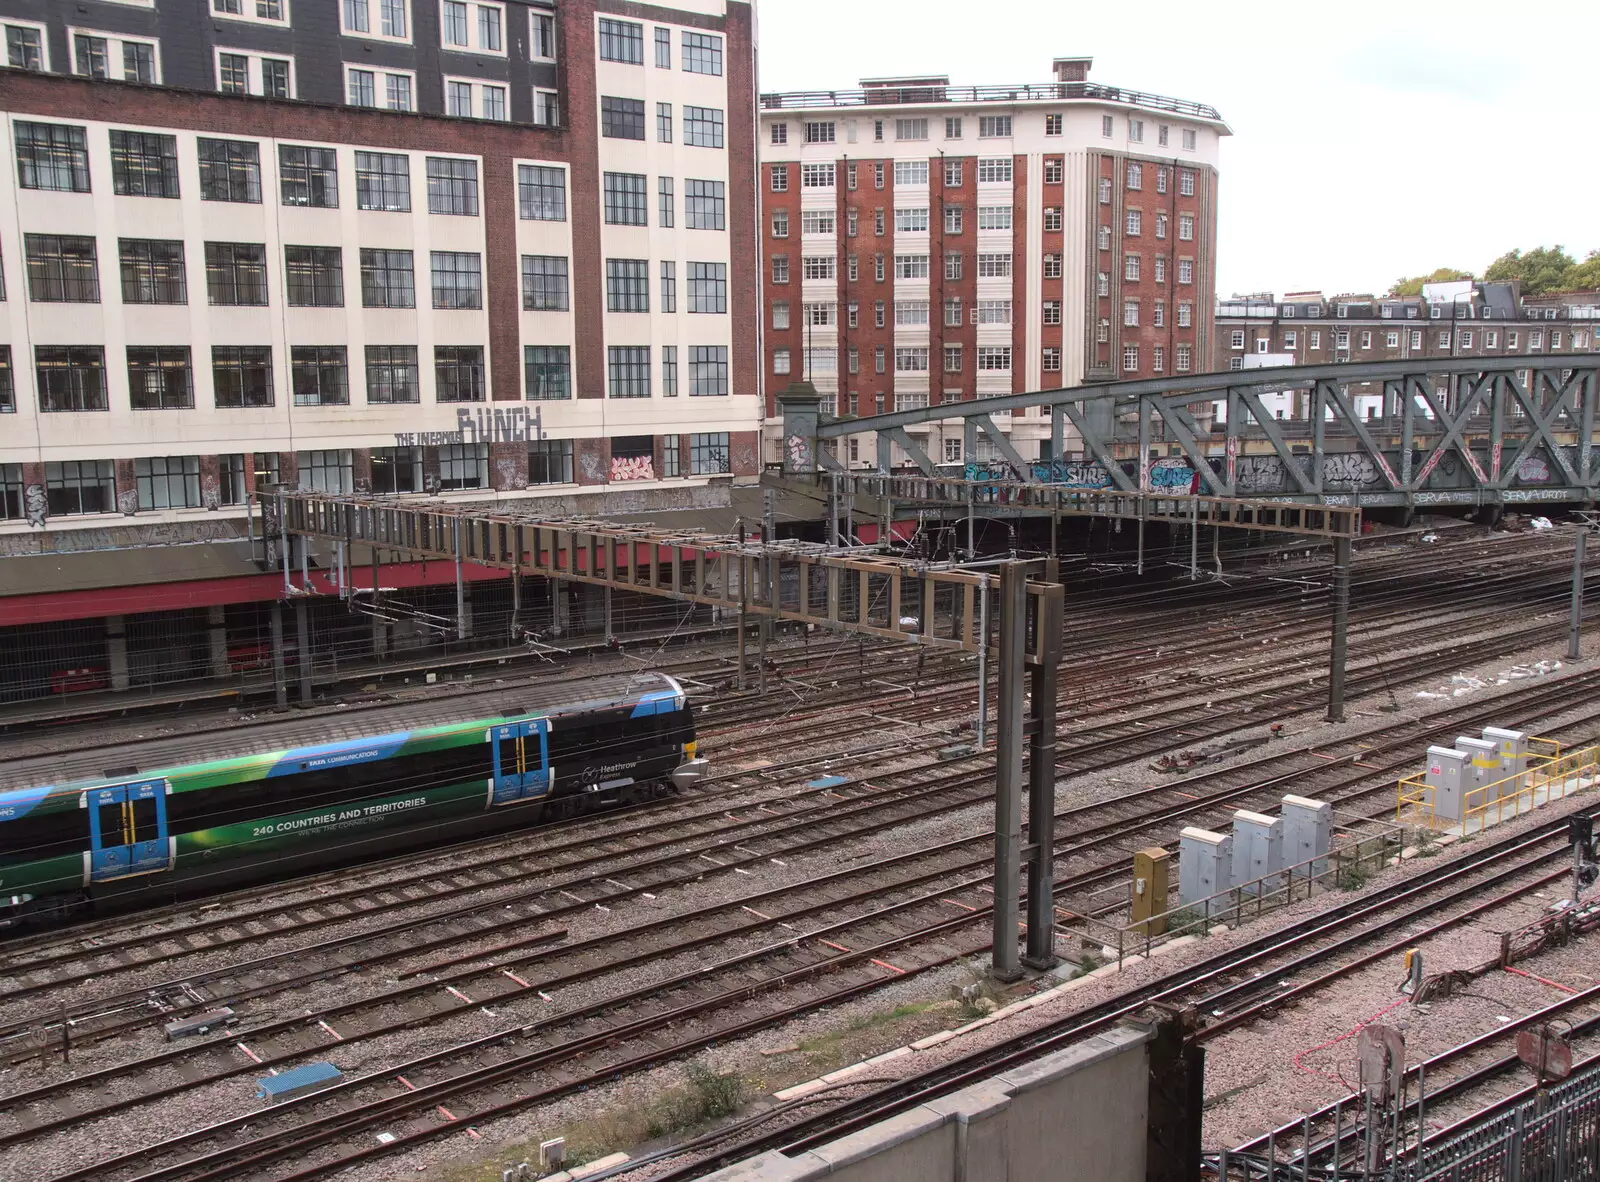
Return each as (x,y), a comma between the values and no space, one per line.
(1469,431)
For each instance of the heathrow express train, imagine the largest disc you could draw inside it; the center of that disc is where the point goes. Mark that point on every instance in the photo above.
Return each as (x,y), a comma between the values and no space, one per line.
(208,811)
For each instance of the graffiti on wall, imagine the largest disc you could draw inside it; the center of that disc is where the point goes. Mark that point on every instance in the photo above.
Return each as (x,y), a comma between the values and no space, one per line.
(35,505)
(1534,469)
(485,424)
(797,452)
(1067,473)
(624,468)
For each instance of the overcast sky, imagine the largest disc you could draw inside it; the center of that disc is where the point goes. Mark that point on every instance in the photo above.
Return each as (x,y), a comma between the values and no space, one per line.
(1370,140)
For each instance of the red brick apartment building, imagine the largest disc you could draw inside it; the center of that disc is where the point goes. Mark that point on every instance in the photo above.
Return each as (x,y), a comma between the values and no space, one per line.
(925,243)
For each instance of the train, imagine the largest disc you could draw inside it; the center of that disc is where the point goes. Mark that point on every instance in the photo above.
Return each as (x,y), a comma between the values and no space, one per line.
(267,801)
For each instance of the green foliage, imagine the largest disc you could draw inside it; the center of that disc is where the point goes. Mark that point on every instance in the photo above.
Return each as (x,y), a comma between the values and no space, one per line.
(1413,285)
(707,1097)
(1585,274)
(1542,269)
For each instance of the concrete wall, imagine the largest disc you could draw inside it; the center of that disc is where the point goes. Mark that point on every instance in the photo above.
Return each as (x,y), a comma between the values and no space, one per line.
(1078,1115)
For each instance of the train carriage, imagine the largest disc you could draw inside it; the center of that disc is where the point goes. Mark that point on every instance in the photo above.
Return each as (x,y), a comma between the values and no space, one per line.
(152,822)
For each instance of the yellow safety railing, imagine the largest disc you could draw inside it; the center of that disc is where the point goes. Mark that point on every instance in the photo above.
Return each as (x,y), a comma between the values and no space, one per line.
(1508,797)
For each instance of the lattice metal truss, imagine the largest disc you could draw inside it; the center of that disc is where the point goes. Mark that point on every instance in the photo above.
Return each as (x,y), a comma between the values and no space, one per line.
(937,604)
(1442,431)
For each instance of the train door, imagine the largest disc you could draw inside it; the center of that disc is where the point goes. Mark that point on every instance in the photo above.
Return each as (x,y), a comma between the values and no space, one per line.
(128,830)
(521,760)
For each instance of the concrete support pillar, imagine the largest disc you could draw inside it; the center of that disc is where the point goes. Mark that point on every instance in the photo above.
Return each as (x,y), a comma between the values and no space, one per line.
(380,637)
(466,610)
(117,653)
(1041,728)
(217,638)
(560,610)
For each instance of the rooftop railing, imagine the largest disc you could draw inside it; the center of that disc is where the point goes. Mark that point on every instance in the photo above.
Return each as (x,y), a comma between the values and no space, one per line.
(893,96)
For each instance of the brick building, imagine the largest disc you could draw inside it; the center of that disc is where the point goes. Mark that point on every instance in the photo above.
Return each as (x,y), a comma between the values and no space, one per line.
(348,244)
(1465,319)
(926,243)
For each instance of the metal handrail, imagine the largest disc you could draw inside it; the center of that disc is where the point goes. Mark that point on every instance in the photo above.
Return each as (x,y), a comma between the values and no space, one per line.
(1516,793)
(924,93)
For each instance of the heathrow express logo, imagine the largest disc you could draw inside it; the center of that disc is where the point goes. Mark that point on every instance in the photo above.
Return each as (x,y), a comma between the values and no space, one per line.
(509,424)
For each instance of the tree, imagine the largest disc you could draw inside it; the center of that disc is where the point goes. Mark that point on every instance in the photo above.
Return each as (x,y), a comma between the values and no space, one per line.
(1545,268)
(1585,274)
(1413,285)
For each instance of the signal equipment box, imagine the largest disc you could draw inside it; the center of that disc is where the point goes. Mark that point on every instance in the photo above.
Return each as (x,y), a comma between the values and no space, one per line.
(1446,771)
(1257,850)
(1307,832)
(1205,867)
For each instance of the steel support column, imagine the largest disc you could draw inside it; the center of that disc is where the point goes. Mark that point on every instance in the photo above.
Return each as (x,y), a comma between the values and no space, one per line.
(1008,770)
(303,656)
(1341,622)
(280,680)
(1041,950)
(1575,636)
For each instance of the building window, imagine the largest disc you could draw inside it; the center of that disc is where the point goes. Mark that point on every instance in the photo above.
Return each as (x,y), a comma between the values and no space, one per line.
(392,374)
(463,98)
(1185,271)
(669,285)
(1130,358)
(952,174)
(25,47)
(308,177)
(1188,139)
(994,311)
(361,86)
(144,164)
(994,217)
(1185,227)
(780,268)
(62,269)
(708,287)
(236,274)
(995,170)
(621,41)
(702,127)
(818,221)
(952,359)
(664,123)
(159,378)
(627,285)
(1052,266)
(911,360)
(1158,359)
(383,182)
(1185,178)
(241,376)
(1052,312)
(1052,219)
(663,48)
(230,170)
(1236,338)
(704,206)
(1102,284)
(994,126)
(780,178)
(326,471)
(910,129)
(1185,315)
(1134,220)
(1161,225)
(1130,267)
(1130,313)
(1391,340)
(457,279)
(708,371)
(52,156)
(463,466)
(780,361)
(546,108)
(458,373)
(542,40)
(624,198)
(820,266)
(709,454)
(629,368)
(665,201)
(153,271)
(249,73)
(396,469)
(907,313)
(315,276)
(910,266)
(994,266)
(952,219)
(994,358)
(1161,180)
(1158,317)
(320,375)
(73,487)
(550,461)
(621,118)
(1491,340)
(1135,175)
(452,186)
(910,172)
(780,315)
(780,134)
(457,27)
(542,193)
(1161,268)
(70,377)
(912,221)
(544,283)
(547,372)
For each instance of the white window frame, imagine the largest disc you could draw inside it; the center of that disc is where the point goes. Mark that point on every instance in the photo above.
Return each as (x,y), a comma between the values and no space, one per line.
(811,221)
(375,26)
(997,356)
(546,102)
(1183,354)
(44,44)
(994,218)
(246,15)
(253,70)
(478,86)
(380,85)
(912,173)
(474,45)
(534,16)
(1236,339)
(911,221)
(990,169)
(825,175)
(115,42)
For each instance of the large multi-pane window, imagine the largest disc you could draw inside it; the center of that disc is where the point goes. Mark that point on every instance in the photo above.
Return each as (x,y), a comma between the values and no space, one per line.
(8,386)
(708,370)
(53,156)
(704,205)
(230,170)
(160,378)
(457,279)
(629,371)
(669,371)
(24,47)
(621,41)
(383,182)
(153,271)
(320,375)
(544,283)
(452,186)
(669,285)
(547,372)
(331,471)
(70,377)
(392,374)
(241,376)
(550,461)
(463,465)
(702,127)
(236,273)
(665,201)
(73,487)
(459,373)
(144,164)
(308,176)
(13,498)
(709,454)
(702,53)
(663,48)
(708,287)
(396,469)
(627,285)
(315,276)
(168,482)
(624,198)
(62,268)
(388,279)
(542,193)
(621,118)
